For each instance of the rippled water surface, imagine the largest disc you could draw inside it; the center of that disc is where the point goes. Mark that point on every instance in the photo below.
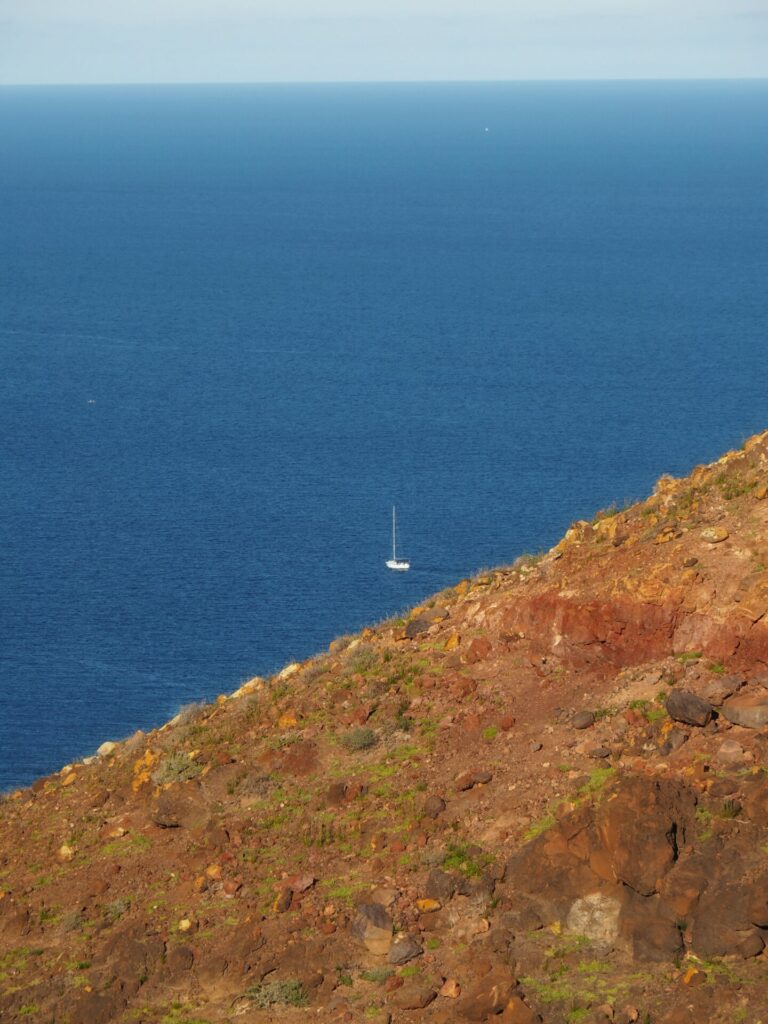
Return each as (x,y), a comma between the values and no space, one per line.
(237,324)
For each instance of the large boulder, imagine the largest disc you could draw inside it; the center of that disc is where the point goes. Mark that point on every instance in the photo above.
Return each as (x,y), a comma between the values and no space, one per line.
(683,706)
(749,710)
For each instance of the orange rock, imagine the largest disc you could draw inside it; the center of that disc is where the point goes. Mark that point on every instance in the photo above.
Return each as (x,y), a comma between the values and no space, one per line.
(714,534)
(287,720)
(425,906)
(451,989)
(142,769)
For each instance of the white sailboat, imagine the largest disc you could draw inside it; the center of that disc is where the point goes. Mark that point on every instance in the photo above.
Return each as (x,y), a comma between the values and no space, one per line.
(394,562)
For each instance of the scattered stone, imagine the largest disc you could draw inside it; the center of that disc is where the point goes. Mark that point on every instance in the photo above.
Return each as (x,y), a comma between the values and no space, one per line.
(714,534)
(451,989)
(434,806)
(731,753)
(599,752)
(283,900)
(536,747)
(470,779)
(675,739)
(384,895)
(66,853)
(583,720)
(683,706)
(477,650)
(373,927)
(106,749)
(427,906)
(414,995)
(440,886)
(415,627)
(404,949)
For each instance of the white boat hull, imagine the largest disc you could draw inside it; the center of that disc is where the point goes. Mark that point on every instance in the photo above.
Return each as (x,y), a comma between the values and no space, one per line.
(398,565)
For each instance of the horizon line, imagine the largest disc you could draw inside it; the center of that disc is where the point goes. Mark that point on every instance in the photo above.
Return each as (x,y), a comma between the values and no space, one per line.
(378,81)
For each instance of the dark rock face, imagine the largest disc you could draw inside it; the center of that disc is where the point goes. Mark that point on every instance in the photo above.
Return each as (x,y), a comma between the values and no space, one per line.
(683,706)
(626,873)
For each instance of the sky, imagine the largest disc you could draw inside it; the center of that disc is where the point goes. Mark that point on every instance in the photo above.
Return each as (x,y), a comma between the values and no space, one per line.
(111,41)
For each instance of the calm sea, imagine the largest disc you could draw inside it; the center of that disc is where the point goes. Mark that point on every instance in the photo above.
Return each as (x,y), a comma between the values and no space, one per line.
(237,324)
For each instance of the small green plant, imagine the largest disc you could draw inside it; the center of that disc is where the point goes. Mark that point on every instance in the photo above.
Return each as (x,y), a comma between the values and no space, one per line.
(363,659)
(267,994)
(688,656)
(717,667)
(361,738)
(597,779)
(604,713)
(539,827)
(411,971)
(115,910)
(490,733)
(377,975)
(460,857)
(730,808)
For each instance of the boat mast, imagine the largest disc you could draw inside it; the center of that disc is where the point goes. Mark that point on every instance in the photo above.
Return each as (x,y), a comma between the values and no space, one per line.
(394,554)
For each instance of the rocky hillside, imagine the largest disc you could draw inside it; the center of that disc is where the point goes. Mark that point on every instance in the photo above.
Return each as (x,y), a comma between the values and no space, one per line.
(543,796)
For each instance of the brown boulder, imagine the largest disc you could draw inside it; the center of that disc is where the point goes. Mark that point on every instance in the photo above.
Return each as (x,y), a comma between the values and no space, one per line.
(749,710)
(182,805)
(373,927)
(413,995)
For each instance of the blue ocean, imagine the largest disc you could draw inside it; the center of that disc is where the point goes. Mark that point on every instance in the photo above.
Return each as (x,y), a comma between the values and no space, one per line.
(238,324)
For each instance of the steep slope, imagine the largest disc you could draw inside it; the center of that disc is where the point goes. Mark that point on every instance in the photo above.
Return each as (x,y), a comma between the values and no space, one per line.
(543,795)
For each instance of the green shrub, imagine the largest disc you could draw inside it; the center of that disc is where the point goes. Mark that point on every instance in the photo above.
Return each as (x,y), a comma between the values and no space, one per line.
(177,767)
(276,993)
(361,738)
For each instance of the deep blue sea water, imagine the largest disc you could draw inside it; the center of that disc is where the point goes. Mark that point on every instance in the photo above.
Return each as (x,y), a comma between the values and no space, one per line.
(237,324)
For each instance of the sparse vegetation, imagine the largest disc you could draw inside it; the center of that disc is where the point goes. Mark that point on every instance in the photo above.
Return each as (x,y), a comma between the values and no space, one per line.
(267,994)
(176,767)
(361,738)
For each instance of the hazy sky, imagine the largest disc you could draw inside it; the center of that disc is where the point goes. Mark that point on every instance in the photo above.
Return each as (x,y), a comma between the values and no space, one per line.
(339,40)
